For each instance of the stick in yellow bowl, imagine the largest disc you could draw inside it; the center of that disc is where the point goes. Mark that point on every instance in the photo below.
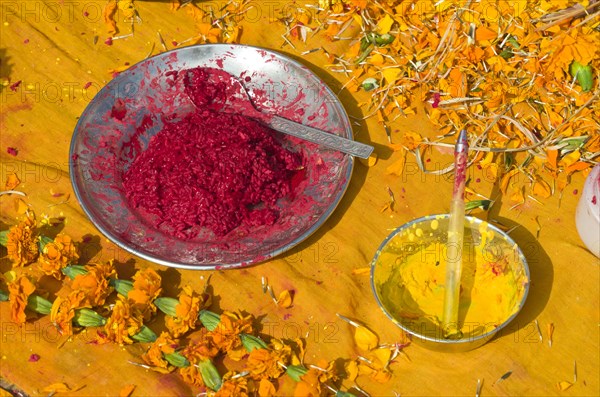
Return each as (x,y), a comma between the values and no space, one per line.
(455,240)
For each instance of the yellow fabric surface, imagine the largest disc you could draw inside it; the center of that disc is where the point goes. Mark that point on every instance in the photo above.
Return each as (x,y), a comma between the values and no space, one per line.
(50,47)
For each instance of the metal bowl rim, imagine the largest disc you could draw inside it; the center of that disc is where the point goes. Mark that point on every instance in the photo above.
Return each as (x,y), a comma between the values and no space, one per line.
(216,266)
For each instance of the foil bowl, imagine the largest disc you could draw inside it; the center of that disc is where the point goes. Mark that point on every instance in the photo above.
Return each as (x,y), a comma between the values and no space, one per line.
(408,281)
(103,147)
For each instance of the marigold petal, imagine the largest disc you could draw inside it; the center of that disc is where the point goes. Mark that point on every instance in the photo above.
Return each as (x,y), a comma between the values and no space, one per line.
(365,338)
(266,388)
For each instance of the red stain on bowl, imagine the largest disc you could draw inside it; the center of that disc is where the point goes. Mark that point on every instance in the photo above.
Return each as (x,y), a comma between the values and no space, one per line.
(118,110)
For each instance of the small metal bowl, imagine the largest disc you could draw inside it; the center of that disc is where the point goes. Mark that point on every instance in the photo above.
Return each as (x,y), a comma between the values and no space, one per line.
(105,143)
(427,237)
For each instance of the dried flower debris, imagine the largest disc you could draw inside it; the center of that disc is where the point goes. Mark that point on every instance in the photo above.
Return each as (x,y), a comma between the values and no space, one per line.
(521,77)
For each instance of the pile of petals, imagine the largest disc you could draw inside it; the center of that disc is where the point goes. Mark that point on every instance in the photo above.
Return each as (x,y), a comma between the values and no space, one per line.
(521,76)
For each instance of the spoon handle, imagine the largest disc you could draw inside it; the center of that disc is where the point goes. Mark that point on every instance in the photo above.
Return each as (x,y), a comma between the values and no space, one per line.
(320,137)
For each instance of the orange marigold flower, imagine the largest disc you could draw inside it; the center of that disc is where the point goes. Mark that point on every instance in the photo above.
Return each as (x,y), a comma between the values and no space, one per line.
(164,344)
(106,269)
(264,363)
(310,383)
(147,280)
(19,291)
(233,387)
(58,254)
(22,243)
(122,323)
(266,388)
(187,313)
(94,284)
(146,288)
(200,348)
(63,311)
(226,335)
(191,375)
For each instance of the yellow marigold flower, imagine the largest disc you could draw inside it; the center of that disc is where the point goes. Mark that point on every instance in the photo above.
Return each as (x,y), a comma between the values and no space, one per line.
(186,313)
(146,288)
(226,335)
(63,311)
(164,344)
(94,284)
(22,243)
(123,323)
(233,387)
(19,291)
(58,254)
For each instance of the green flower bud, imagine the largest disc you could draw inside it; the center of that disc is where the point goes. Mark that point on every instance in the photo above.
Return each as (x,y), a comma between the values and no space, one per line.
(483,204)
(3,296)
(145,335)
(369,84)
(572,143)
(583,74)
(296,372)
(177,360)
(340,393)
(38,304)
(121,286)
(210,375)
(4,237)
(73,271)
(209,319)
(507,53)
(43,240)
(252,342)
(88,318)
(383,39)
(167,305)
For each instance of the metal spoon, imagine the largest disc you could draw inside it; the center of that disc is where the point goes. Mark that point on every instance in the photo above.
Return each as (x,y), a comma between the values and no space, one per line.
(220,91)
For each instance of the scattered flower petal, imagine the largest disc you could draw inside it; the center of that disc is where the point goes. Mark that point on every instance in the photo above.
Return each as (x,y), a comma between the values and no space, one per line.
(285,299)
(57,388)
(12,181)
(563,385)
(127,390)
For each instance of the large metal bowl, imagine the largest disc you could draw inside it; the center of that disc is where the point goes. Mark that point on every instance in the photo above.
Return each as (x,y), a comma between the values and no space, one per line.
(103,147)
(427,238)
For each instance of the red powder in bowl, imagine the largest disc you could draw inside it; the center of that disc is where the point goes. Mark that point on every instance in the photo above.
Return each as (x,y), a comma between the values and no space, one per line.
(213,170)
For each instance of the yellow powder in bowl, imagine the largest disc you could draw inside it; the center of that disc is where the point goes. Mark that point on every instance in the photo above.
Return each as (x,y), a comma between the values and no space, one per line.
(409,274)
